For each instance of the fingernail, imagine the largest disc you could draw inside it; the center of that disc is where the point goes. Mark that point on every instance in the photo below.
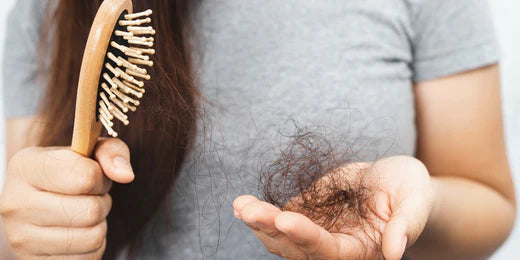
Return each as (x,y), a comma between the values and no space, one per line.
(285,230)
(405,242)
(122,165)
(236,213)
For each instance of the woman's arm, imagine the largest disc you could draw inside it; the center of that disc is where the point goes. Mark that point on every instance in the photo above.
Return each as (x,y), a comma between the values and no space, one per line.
(461,142)
(463,209)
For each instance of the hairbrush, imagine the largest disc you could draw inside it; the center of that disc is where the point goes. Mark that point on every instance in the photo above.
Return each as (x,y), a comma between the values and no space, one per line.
(113,71)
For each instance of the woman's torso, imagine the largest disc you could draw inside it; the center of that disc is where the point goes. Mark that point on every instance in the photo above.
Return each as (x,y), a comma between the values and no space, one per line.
(345,67)
(265,66)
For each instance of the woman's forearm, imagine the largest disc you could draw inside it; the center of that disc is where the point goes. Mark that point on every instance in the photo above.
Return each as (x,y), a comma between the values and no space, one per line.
(469,221)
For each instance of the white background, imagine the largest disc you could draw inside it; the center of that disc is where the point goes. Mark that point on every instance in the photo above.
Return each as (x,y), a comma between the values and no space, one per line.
(508,27)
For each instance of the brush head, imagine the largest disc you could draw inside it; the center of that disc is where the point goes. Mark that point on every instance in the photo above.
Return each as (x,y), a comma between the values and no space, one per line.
(124,72)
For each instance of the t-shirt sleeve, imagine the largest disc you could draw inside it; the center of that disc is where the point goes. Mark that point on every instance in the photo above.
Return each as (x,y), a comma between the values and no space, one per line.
(451,36)
(22,89)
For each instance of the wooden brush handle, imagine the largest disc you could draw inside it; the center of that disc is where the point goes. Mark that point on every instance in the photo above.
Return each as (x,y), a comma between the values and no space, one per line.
(86,126)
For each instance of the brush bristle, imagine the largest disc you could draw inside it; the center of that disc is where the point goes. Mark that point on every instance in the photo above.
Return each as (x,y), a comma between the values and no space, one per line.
(123,76)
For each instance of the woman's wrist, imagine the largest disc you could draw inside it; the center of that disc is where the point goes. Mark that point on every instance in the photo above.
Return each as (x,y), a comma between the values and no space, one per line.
(463,208)
(433,220)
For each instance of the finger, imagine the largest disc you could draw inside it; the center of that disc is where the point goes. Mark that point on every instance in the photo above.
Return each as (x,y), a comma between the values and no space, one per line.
(260,215)
(238,205)
(60,240)
(114,157)
(404,227)
(240,202)
(62,171)
(56,210)
(315,241)
(96,255)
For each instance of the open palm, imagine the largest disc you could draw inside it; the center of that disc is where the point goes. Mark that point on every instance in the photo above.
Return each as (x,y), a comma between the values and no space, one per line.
(400,202)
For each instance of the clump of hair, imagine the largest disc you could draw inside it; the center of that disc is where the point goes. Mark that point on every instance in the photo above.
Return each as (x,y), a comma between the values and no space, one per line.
(314,177)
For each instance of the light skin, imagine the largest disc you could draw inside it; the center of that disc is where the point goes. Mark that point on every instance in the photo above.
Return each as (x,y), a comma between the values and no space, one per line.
(455,201)
(55,202)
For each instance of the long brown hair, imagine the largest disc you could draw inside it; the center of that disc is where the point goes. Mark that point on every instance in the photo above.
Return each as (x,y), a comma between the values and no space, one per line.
(163,126)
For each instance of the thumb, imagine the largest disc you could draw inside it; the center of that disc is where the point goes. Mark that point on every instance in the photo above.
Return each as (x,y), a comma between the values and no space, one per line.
(404,228)
(114,157)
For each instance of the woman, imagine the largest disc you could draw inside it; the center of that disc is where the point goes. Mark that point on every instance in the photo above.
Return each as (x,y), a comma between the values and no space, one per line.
(412,84)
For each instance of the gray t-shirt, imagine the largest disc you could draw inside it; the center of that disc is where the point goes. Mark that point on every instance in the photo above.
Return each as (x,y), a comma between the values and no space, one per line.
(349,66)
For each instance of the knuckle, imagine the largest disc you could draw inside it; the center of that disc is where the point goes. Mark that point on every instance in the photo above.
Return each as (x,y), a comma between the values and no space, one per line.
(95,255)
(97,236)
(23,156)
(95,211)
(99,253)
(86,184)
(88,175)
(6,208)
(114,146)
(10,204)
(17,241)
(108,201)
